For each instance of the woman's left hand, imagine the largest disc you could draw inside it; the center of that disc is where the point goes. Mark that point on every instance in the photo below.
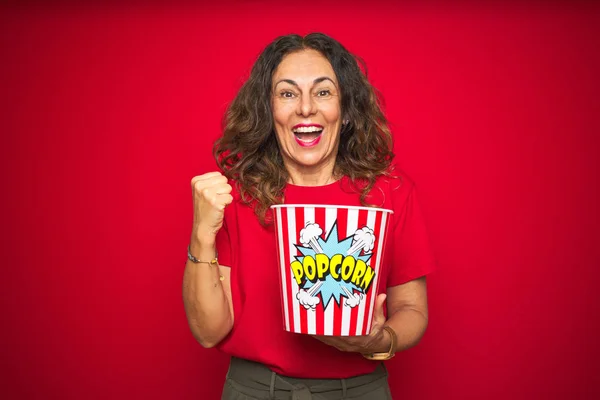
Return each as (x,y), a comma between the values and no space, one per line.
(371,343)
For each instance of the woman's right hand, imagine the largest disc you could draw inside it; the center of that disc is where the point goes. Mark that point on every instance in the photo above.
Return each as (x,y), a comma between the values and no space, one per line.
(211,194)
(206,289)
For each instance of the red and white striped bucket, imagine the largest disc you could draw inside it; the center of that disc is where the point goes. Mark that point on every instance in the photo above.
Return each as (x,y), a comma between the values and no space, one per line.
(329,258)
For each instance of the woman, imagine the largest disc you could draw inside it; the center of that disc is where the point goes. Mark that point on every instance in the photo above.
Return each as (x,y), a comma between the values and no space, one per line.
(306,125)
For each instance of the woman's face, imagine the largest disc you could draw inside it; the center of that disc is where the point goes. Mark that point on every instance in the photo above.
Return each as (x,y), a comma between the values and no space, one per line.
(307,112)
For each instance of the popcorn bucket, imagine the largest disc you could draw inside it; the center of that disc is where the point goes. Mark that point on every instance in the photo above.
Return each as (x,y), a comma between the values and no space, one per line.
(329,263)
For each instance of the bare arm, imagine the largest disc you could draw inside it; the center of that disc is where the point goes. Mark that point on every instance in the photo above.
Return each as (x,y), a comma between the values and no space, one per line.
(407,316)
(407,313)
(207,298)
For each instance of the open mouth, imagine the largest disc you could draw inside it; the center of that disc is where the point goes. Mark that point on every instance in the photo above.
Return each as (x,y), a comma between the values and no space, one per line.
(307,135)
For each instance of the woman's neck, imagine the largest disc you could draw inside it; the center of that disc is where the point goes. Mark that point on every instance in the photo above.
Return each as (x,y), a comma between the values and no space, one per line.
(311,176)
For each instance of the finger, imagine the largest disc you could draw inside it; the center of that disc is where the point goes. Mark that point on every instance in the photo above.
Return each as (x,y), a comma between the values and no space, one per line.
(213,193)
(225,199)
(212,181)
(344,344)
(323,339)
(209,185)
(209,175)
(205,176)
(341,341)
(223,188)
(327,339)
(331,341)
(379,302)
(219,201)
(213,190)
(208,179)
(378,315)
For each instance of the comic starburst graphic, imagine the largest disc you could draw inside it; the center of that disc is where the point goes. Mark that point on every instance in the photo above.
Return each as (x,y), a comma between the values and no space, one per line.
(330,246)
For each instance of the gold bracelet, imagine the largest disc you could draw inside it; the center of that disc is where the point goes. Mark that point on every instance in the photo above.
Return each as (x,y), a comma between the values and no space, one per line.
(214,261)
(391,352)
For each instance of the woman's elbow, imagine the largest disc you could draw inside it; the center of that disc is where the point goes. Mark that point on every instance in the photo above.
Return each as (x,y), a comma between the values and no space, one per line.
(207,343)
(209,338)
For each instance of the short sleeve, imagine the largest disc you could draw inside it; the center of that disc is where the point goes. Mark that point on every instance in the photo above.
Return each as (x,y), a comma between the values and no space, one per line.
(223,241)
(412,256)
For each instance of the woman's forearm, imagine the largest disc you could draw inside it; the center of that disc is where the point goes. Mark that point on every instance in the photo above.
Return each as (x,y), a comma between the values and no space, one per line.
(206,304)
(409,324)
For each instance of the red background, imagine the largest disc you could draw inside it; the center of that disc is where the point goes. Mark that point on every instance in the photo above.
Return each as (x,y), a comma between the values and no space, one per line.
(108,111)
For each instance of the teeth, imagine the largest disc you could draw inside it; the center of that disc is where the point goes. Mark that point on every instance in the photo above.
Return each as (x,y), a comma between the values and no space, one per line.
(307,129)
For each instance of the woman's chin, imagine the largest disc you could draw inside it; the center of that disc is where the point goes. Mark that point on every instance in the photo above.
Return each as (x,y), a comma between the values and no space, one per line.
(307,161)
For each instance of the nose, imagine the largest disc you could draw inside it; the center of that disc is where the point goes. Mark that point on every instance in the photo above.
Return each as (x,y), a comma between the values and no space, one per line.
(306,106)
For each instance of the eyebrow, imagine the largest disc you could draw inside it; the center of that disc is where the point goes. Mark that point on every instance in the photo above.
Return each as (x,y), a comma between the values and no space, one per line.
(316,81)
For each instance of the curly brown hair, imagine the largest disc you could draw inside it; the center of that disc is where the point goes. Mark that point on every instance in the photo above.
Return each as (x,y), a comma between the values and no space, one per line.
(248,152)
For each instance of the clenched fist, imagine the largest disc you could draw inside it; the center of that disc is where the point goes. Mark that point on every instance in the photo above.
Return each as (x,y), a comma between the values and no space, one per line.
(211,194)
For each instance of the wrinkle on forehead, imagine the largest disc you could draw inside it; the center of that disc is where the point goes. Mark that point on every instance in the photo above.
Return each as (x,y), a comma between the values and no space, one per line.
(303,68)
(315,82)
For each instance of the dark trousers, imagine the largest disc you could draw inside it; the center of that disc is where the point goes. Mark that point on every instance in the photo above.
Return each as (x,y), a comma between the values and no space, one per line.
(247,380)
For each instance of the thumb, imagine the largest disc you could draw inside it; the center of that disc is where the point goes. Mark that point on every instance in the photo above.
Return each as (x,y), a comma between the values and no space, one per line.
(378,316)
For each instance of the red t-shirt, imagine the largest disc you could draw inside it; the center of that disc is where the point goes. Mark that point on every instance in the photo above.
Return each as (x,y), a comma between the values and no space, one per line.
(250,250)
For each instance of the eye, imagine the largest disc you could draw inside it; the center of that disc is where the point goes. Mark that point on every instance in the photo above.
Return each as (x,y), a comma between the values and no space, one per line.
(323,93)
(286,94)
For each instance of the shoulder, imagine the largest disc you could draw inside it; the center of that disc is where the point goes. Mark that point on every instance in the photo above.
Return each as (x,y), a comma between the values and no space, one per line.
(392,189)
(396,180)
